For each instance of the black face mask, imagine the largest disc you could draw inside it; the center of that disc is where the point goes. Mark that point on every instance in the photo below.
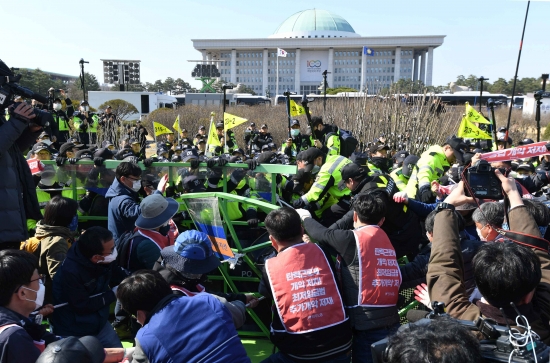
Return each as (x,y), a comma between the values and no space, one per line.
(381,163)
(319,134)
(194,282)
(164,230)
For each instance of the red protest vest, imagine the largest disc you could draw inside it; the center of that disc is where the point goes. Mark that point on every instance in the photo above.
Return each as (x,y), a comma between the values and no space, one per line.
(379,274)
(304,289)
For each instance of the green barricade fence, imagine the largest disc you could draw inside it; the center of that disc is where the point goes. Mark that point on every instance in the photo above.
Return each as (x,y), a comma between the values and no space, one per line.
(84,176)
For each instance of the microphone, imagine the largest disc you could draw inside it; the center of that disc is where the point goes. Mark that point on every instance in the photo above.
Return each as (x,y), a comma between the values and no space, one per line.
(415,315)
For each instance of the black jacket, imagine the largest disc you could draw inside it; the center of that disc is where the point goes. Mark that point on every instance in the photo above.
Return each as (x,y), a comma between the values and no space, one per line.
(17,189)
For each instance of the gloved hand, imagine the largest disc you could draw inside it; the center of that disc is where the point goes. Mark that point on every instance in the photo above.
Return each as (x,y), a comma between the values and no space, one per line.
(288,151)
(218,149)
(252,164)
(60,160)
(195,163)
(23,112)
(253,223)
(170,191)
(72,160)
(278,179)
(303,213)
(147,162)
(98,161)
(222,161)
(298,203)
(401,197)
(422,295)
(211,163)
(426,194)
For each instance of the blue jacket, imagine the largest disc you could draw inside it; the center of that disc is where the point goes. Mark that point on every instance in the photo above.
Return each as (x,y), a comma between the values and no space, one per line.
(197,329)
(76,280)
(124,208)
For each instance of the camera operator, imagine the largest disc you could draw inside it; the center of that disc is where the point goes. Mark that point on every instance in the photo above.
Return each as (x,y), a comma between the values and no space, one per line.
(85,123)
(505,272)
(61,129)
(19,201)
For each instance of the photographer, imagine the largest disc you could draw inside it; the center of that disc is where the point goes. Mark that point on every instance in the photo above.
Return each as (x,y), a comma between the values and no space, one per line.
(505,272)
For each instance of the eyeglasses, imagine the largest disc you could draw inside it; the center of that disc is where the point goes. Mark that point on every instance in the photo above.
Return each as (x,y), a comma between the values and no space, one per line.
(128,177)
(41,277)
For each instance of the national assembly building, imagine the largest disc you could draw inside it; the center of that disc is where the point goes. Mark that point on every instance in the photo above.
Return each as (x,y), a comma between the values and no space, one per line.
(314,41)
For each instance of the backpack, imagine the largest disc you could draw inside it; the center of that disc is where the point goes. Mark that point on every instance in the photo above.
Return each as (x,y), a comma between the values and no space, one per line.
(124,248)
(348,143)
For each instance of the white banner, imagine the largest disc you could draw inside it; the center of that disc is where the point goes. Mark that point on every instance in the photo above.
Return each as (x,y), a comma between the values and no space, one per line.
(313,64)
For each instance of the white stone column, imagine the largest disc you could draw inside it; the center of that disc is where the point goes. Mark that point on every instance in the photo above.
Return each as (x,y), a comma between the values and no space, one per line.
(397,71)
(363,71)
(330,75)
(203,55)
(415,65)
(423,67)
(265,63)
(297,73)
(429,69)
(233,66)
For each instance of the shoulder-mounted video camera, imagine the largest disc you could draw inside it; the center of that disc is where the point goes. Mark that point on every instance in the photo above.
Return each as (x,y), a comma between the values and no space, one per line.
(9,88)
(494,347)
(483,181)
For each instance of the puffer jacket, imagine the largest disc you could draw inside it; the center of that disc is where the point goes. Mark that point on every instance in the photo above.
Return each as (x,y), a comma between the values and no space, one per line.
(54,244)
(17,189)
(124,208)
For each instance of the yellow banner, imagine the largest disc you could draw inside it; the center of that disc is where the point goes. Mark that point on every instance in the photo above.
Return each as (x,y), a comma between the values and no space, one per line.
(470,131)
(230,121)
(161,129)
(176,125)
(296,110)
(213,136)
(474,116)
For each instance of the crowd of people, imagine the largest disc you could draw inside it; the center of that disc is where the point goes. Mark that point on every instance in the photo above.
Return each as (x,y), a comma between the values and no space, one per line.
(355,228)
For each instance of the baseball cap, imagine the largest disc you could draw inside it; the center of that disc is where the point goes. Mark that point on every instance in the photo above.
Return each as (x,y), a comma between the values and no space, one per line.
(295,123)
(43,134)
(359,158)
(252,124)
(408,164)
(84,102)
(192,184)
(202,128)
(310,155)
(526,142)
(377,147)
(156,211)
(401,156)
(83,350)
(527,167)
(266,148)
(351,170)
(264,126)
(458,145)
(219,125)
(84,155)
(103,153)
(268,157)
(192,253)
(39,146)
(183,130)
(134,141)
(189,154)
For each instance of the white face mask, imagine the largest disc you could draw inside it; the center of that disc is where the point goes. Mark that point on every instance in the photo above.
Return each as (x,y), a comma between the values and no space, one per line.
(110,258)
(481,238)
(136,185)
(85,108)
(39,301)
(294,132)
(57,106)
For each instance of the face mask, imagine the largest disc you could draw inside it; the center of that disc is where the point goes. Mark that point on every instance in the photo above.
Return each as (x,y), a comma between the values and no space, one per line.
(85,108)
(294,132)
(73,226)
(164,229)
(57,106)
(481,238)
(381,163)
(395,166)
(136,185)
(39,294)
(315,169)
(110,258)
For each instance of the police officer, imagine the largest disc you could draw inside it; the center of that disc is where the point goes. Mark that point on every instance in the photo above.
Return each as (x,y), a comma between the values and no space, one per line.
(215,149)
(379,161)
(328,133)
(86,124)
(61,128)
(401,175)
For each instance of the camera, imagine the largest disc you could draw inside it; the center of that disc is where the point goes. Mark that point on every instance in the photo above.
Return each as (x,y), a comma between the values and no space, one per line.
(483,182)
(9,88)
(494,347)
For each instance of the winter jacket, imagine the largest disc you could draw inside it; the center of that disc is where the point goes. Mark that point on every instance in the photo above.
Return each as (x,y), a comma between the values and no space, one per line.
(446,269)
(200,330)
(54,245)
(16,343)
(343,242)
(124,208)
(77,281)
(17,189)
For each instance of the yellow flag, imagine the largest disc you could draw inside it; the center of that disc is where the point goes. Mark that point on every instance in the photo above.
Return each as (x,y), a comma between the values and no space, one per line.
(176,125)
(296,110)
(473,116)
(213,136)
(161,129)
(470,131)
(230,121)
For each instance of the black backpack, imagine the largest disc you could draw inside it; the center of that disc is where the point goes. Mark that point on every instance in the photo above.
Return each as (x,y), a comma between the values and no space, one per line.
(124,248)
(348,143)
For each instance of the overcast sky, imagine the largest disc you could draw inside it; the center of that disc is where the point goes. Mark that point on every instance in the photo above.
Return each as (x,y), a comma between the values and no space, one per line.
(482,36)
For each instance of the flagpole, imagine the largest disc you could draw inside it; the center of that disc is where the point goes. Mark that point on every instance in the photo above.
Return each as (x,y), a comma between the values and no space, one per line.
(277,82)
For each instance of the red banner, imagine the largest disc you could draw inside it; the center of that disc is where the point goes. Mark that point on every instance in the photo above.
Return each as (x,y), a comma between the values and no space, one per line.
(520,152)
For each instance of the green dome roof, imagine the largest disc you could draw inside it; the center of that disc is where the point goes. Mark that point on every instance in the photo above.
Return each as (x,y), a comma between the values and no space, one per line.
(314,20)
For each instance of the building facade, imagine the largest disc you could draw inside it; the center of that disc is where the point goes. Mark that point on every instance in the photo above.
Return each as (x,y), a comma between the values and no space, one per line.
(317,40)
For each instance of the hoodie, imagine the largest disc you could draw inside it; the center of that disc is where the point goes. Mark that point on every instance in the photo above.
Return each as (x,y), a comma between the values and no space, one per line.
(124,208)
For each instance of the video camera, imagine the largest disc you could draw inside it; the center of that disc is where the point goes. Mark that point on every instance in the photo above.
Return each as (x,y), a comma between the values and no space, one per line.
(9,87)
(483,182)
(495,347)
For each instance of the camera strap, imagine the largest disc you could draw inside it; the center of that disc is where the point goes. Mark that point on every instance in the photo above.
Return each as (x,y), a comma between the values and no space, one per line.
(526,240)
